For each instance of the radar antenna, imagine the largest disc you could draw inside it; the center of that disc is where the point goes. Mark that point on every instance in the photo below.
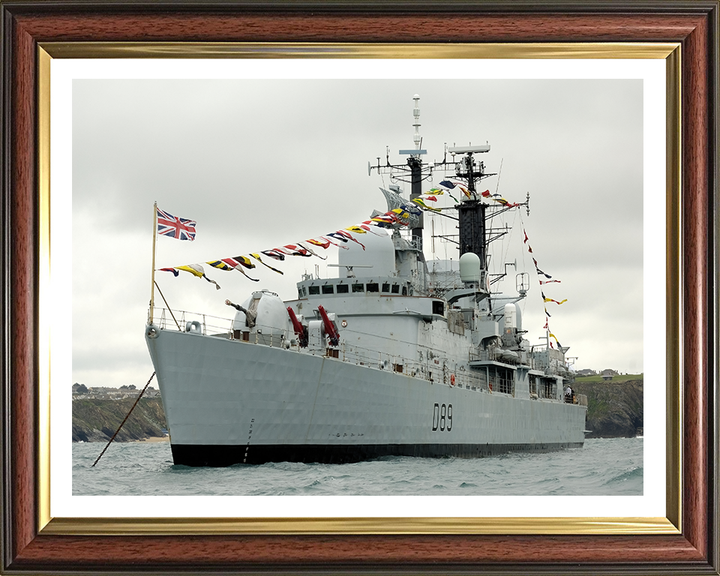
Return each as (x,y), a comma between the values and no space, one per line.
(416,113)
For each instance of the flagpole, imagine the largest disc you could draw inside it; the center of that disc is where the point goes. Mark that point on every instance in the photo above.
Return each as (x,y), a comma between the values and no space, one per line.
(152,286)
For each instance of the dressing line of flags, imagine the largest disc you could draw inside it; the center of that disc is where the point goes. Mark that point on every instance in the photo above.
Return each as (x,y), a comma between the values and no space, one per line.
(548,280)
(184,229)
(447,185)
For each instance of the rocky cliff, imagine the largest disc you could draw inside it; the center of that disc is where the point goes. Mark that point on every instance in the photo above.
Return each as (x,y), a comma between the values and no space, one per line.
(615,409)
(96,420)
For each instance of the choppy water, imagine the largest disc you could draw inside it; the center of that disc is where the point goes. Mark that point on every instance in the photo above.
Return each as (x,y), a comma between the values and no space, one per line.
(602,467)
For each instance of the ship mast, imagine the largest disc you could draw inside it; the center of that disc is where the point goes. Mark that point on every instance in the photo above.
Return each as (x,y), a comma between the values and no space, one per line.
(413,172)
(415,164)
(474,232)
(473,217)
(471,211)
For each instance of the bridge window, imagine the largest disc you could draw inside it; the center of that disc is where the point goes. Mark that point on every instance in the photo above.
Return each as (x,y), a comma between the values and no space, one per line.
(327,289)
(342,288)
(358,287)
(501,380)
(395,289)
(373,287)
(386,287)
(549,389)
(314,290)
(438,307)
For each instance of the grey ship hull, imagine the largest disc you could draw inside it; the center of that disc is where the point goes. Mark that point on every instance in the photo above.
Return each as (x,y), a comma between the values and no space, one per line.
(228,402)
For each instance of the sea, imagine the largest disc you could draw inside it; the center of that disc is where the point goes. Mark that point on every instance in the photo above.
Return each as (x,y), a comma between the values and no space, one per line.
(602,467)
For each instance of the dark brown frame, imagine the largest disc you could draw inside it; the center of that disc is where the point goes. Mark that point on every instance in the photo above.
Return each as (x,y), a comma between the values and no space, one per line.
(694,24)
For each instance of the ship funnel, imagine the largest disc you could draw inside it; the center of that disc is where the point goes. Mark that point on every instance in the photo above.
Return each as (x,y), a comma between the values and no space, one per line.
(470,268)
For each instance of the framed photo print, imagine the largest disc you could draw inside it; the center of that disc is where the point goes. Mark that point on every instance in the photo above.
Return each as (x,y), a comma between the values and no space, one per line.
(317,260)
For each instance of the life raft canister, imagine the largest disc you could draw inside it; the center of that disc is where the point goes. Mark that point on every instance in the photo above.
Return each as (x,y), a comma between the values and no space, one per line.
(452,379)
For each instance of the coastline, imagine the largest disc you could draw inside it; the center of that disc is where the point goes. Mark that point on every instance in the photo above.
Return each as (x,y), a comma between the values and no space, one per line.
(153,439)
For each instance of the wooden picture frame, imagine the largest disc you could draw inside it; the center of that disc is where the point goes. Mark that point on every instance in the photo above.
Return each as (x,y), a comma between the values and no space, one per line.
(686,542)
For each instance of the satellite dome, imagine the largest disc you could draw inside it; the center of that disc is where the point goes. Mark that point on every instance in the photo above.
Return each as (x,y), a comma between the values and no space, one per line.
(470,267)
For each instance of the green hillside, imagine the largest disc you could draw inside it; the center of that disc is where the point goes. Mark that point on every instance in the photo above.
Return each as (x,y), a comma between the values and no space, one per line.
(620,378)
(615,407)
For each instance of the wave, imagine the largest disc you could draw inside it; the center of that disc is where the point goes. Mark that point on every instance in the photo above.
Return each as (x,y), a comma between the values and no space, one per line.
(632,476)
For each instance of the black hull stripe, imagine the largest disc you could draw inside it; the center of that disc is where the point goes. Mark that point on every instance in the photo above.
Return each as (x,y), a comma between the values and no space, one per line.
(218,455)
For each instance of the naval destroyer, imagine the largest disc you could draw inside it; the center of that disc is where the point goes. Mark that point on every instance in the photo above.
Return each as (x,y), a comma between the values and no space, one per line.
(392,357)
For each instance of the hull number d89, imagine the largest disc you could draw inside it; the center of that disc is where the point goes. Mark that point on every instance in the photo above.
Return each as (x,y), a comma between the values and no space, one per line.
(442,417)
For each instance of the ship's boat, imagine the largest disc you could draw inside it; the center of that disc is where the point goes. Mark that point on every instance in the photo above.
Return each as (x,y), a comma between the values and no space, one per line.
(389,358)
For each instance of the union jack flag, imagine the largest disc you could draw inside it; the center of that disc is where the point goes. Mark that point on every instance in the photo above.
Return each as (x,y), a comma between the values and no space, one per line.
(180,228)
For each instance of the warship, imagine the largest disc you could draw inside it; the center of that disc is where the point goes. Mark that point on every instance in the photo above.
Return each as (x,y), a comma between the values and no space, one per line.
(392,357)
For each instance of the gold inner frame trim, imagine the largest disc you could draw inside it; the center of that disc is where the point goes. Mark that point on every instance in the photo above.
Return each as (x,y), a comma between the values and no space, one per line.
(566,50)
(673,295)
(326,526)
(44,306)
(538,525)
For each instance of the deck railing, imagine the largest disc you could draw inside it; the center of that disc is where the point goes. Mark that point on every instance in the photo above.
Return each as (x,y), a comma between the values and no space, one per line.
(440,372)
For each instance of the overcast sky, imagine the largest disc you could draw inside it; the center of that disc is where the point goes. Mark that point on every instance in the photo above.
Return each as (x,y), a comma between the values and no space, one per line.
(262,163)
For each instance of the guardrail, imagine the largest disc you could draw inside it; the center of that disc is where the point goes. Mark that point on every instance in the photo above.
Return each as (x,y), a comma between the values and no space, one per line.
(181,318)
(215,326)
(534,362)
